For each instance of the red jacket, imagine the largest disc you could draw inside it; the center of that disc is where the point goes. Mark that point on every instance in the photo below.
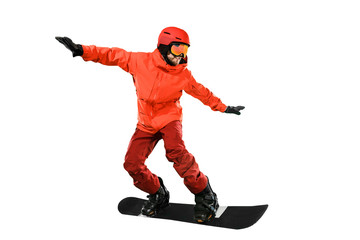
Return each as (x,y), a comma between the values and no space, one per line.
(158,85)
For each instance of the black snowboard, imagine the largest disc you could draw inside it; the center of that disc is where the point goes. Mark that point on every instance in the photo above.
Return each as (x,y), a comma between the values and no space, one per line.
(234,217)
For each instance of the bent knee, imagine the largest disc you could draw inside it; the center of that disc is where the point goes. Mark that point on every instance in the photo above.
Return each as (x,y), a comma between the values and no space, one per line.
(132,166)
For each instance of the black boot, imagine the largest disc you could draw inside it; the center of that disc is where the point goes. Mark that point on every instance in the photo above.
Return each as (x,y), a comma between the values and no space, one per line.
(156,201)
(206,205)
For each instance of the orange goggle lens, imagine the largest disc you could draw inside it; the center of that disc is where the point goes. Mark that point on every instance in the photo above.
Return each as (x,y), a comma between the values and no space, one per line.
(179,49)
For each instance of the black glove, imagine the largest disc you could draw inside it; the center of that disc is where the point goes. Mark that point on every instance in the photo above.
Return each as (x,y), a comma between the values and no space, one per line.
(76,49)
(235,110)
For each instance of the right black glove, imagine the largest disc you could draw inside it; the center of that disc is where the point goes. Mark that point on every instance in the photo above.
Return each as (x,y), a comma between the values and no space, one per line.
(76,49)
(235,110)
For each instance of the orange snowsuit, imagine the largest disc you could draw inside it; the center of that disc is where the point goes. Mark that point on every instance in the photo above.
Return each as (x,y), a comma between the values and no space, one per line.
(158,85)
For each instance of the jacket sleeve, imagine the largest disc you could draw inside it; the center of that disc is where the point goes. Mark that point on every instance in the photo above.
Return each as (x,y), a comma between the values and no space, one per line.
(110,56)
(200,92)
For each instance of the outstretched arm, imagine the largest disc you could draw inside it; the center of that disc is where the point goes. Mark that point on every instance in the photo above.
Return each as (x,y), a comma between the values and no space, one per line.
(107,56)
(200,92)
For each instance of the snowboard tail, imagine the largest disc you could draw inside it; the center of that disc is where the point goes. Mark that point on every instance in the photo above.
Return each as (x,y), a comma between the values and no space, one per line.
(234,217)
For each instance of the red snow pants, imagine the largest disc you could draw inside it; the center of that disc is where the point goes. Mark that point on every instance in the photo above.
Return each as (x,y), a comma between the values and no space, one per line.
(142,144)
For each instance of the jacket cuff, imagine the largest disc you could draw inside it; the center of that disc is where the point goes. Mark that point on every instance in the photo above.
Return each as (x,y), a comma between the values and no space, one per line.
(222,108)
(86,54)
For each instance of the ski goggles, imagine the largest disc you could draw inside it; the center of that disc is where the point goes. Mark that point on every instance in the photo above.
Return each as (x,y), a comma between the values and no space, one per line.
(179,49)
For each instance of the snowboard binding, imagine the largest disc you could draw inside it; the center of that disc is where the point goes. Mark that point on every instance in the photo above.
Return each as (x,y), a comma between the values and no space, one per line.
(156,201)
(206,205)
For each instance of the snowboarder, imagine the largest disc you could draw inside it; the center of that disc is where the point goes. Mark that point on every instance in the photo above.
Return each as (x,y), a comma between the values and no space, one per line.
(159,78)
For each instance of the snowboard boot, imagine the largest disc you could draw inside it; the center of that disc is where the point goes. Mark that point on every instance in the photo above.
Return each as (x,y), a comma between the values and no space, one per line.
(156,201)
(206,205)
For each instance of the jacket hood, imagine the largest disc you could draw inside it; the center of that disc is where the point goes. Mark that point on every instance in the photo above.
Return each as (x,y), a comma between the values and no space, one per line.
(161,63)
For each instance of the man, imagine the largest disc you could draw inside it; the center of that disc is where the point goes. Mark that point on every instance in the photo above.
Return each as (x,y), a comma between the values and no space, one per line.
(159,78)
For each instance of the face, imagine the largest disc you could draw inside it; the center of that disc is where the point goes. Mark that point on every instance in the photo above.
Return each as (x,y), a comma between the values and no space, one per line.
(174,60)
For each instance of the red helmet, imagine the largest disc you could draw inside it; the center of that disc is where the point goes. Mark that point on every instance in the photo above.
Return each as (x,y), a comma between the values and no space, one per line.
(173,34)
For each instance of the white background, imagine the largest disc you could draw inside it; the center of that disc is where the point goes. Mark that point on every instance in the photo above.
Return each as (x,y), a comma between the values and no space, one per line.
(65,124)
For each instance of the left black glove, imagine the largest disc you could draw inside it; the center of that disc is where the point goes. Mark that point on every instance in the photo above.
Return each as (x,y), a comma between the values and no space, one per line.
(76,49)
(235,110)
